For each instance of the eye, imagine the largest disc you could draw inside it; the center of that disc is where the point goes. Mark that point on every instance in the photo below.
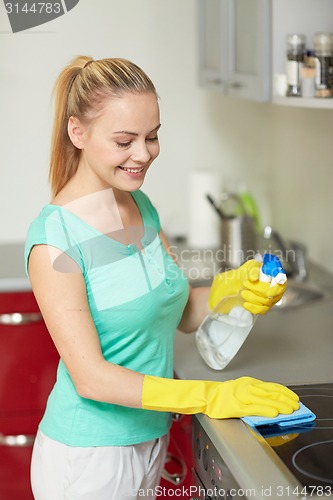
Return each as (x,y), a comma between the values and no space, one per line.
(123,144)
(152,139)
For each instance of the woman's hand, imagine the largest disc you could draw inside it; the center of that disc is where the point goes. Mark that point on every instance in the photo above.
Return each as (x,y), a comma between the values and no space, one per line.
(259,297)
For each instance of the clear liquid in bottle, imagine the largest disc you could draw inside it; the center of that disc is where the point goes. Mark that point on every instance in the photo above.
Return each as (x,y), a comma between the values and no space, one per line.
(225,329)
(220,336)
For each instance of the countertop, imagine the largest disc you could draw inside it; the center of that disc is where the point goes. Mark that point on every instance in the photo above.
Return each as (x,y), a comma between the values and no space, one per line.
(12,273)
(288,346)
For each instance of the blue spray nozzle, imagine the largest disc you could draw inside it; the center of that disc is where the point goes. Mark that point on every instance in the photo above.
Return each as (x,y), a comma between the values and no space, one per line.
(271,265)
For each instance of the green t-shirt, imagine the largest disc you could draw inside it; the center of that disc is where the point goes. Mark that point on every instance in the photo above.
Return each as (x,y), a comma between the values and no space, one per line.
(136,300)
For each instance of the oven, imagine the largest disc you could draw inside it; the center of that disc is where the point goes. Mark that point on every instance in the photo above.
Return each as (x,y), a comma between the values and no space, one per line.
(211,478)
(303,453)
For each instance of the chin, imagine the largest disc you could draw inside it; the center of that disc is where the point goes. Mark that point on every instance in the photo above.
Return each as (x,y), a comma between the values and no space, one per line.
(134,185)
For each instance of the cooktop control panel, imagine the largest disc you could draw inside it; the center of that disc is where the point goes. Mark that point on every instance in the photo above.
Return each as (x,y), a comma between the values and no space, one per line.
(213,478)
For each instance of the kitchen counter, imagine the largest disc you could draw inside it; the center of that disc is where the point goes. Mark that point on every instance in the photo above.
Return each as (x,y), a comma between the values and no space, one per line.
(291,346)
(12,273)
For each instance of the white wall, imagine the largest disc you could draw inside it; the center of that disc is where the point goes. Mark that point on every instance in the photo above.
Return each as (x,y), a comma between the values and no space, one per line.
(302,158)
(283,154)
(159,36)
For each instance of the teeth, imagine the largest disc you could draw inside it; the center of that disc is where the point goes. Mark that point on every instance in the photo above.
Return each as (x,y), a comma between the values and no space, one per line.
(133,170)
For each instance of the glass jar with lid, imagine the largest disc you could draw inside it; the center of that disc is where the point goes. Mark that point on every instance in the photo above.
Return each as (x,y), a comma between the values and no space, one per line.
(296,50)
(323,45)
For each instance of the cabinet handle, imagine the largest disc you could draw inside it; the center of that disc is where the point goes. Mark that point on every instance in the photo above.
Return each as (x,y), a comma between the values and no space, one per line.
(217,81)
(176,417)
(178,477)
(17,318)
(235,85)
(18,440)
(227,85)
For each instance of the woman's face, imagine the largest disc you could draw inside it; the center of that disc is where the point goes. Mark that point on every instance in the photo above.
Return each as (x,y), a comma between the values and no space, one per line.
(118,146)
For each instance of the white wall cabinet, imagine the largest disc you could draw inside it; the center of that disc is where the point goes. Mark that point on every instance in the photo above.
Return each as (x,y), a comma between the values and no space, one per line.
(234,47)
(242,44)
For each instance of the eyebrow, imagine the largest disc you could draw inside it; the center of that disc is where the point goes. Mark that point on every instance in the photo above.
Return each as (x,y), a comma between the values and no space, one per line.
(127,132)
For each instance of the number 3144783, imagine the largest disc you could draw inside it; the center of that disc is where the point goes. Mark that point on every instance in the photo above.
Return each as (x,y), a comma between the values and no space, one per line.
(34,8)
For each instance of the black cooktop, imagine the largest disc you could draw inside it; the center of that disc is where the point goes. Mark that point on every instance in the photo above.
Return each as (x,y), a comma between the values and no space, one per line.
(307,450)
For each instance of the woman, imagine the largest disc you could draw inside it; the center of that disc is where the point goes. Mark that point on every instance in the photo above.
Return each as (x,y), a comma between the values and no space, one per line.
(112,297)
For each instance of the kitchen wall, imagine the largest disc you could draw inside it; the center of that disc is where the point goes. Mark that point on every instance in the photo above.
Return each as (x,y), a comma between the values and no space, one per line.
(283,154)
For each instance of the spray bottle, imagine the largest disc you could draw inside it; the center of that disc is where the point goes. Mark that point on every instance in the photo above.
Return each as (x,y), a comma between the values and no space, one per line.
(225,329)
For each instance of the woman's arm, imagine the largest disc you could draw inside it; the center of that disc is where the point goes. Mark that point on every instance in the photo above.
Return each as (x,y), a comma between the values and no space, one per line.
(196,309)
(62,299)
(197,305)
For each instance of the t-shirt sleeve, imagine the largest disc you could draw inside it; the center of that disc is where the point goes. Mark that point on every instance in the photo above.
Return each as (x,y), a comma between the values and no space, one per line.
(50,228)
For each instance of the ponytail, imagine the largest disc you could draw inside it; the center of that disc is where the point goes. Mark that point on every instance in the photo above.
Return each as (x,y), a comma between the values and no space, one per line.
(80,91)
(64,155)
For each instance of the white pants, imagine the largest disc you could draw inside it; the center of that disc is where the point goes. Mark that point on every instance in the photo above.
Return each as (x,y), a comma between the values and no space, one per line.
(61,472)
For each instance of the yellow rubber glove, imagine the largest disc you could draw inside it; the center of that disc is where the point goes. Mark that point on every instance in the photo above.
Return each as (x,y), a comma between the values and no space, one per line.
(259,297)
(242,397)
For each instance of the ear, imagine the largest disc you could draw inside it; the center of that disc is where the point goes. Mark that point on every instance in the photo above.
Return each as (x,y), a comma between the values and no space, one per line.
(76,132)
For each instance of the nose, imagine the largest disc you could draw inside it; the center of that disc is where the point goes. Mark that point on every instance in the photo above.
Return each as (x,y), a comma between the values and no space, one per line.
(141,152)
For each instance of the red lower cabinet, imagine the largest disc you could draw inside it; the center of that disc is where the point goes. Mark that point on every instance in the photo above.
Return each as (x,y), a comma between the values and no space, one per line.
(27,373)
(15,472)
(177,476)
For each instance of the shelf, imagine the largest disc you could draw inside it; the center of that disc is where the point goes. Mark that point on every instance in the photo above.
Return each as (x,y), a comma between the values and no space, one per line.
(304,102)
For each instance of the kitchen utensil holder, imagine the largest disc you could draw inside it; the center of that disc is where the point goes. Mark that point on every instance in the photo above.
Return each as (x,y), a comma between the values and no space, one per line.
(239,235)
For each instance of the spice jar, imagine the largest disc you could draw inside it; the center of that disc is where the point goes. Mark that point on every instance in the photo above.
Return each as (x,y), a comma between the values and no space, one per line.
(295,63)
(308,75)
(323,45)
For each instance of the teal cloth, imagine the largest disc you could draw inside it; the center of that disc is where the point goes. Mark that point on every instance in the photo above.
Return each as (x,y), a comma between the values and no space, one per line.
(301,416)
(136,299)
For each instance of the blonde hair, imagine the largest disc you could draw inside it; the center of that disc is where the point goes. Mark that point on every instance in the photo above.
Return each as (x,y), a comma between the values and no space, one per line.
(80,91)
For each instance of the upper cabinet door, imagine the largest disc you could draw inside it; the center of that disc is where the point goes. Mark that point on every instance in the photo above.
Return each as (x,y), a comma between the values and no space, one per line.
(250,48)
(234,47)
(213,43)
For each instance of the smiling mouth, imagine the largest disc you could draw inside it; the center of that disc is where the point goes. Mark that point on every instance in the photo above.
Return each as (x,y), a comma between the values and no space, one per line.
(132,170)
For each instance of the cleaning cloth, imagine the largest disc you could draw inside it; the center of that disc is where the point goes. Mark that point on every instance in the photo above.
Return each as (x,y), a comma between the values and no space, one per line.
(301,416)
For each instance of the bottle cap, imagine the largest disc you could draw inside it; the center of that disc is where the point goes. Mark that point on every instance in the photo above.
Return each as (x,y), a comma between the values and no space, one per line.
(323,43)
(272,266)
(296,41)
